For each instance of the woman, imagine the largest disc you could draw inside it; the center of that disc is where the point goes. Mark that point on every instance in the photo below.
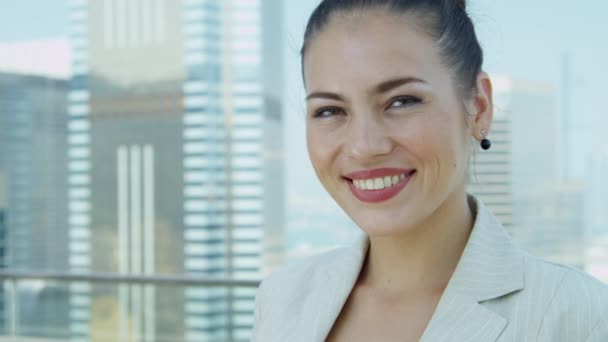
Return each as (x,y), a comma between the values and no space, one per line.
(395,93)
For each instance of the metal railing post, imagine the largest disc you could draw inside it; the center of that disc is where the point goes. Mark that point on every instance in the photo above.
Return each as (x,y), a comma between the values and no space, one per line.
(13,308)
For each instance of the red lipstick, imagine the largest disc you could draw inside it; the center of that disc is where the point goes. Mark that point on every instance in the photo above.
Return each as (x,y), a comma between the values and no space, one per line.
(380,195)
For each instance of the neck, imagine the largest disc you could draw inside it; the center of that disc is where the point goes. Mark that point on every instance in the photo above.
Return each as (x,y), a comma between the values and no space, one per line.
(424,257)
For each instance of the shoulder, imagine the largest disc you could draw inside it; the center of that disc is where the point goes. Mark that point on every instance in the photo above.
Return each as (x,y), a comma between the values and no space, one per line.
(575,303)
(284,292)
(298,274)
(566,281)
(293,281)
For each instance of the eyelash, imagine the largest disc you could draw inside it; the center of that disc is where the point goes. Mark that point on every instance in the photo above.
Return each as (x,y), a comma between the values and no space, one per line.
(407,100)
(333,110)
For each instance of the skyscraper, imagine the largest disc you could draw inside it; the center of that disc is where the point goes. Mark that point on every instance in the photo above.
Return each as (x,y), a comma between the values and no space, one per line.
(175,158)
(32,156)
(3,214)
(596,214)
(32,160)
(491,171)
(552,224)
(519,177)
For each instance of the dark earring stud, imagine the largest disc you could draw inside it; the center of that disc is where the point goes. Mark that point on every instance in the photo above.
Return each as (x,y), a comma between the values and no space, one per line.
(485,143)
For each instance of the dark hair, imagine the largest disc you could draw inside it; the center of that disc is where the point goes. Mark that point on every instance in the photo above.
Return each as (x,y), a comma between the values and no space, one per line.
(445,20)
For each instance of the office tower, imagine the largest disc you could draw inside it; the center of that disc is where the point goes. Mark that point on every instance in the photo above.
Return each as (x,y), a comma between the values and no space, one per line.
(491,171)
(3,228)
(32,155)
(520,177)
(596,214)
(547,213)
(552,225)
(522,163)
(175,161)
(33,161)
(3,217)
(232,156)
(596,209)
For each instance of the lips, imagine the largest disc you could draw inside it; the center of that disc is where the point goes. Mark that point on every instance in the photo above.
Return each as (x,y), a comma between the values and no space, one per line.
(378,185)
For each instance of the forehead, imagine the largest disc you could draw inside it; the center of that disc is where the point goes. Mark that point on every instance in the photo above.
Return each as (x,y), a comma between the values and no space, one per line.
(368,47)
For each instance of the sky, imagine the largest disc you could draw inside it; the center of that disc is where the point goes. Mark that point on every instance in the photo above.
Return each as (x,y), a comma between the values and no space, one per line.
(527,40)
(33,19)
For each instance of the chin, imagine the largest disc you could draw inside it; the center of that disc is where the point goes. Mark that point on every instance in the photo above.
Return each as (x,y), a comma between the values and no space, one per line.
(385,224)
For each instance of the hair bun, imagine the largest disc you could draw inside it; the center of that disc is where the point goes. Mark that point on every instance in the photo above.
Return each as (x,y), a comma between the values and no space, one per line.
(462,4)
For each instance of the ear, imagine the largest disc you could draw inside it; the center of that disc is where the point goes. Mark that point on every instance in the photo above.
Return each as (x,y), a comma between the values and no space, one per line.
(483,107)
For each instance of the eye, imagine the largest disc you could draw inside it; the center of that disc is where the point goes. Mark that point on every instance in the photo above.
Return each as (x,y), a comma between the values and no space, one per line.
(404,101)
(327,112)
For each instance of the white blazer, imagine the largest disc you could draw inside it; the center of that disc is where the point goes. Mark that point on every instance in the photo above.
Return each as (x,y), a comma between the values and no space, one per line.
(497,293)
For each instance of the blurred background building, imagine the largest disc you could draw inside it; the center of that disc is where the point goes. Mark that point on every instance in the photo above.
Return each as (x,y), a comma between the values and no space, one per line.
(543,212)
(33,158)
(596,213)
(33,167)
(491,171)
(175,160)
(3,230)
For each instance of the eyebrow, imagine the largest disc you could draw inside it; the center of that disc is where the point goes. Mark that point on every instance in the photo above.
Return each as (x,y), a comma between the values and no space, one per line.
(378,89)
(394,83)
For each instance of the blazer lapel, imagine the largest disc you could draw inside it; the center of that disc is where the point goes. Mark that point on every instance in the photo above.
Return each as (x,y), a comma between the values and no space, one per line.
(462,319)
(491,266)
(335,281)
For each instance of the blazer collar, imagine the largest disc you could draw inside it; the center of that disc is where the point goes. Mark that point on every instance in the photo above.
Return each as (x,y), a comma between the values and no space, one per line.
(333,285)
(491,266)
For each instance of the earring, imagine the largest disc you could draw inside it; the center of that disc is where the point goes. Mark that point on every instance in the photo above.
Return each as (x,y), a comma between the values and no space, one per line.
(485,142)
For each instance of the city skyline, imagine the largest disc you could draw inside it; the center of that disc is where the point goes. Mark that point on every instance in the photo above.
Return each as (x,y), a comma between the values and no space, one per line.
(510,50)
(33,167)
(174,159)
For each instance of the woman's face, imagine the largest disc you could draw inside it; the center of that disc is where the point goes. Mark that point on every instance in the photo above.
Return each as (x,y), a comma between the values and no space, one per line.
(386,129)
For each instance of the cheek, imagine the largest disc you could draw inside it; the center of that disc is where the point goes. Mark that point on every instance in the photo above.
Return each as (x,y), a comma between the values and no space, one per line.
(420,137)
(436,143)
(446,135)
(450,149)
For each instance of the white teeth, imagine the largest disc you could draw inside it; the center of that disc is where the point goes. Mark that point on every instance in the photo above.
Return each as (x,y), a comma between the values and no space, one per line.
(387,181)
(361,184)
(357,183)
(378,183)
(369,184)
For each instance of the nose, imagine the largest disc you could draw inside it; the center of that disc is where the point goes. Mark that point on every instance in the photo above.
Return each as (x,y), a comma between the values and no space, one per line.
(368,138)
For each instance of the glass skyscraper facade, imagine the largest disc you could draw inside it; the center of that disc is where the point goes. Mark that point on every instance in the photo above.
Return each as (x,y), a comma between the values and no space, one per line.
(491,171)
(33,230)
(518,178)
(175,161)
(3,229)
(32,117)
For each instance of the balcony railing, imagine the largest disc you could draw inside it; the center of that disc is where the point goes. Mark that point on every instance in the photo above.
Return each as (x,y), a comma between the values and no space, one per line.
(234,319)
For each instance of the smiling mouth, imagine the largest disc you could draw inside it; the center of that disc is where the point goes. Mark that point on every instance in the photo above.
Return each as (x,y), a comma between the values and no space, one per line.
(379,183)
(379,189)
